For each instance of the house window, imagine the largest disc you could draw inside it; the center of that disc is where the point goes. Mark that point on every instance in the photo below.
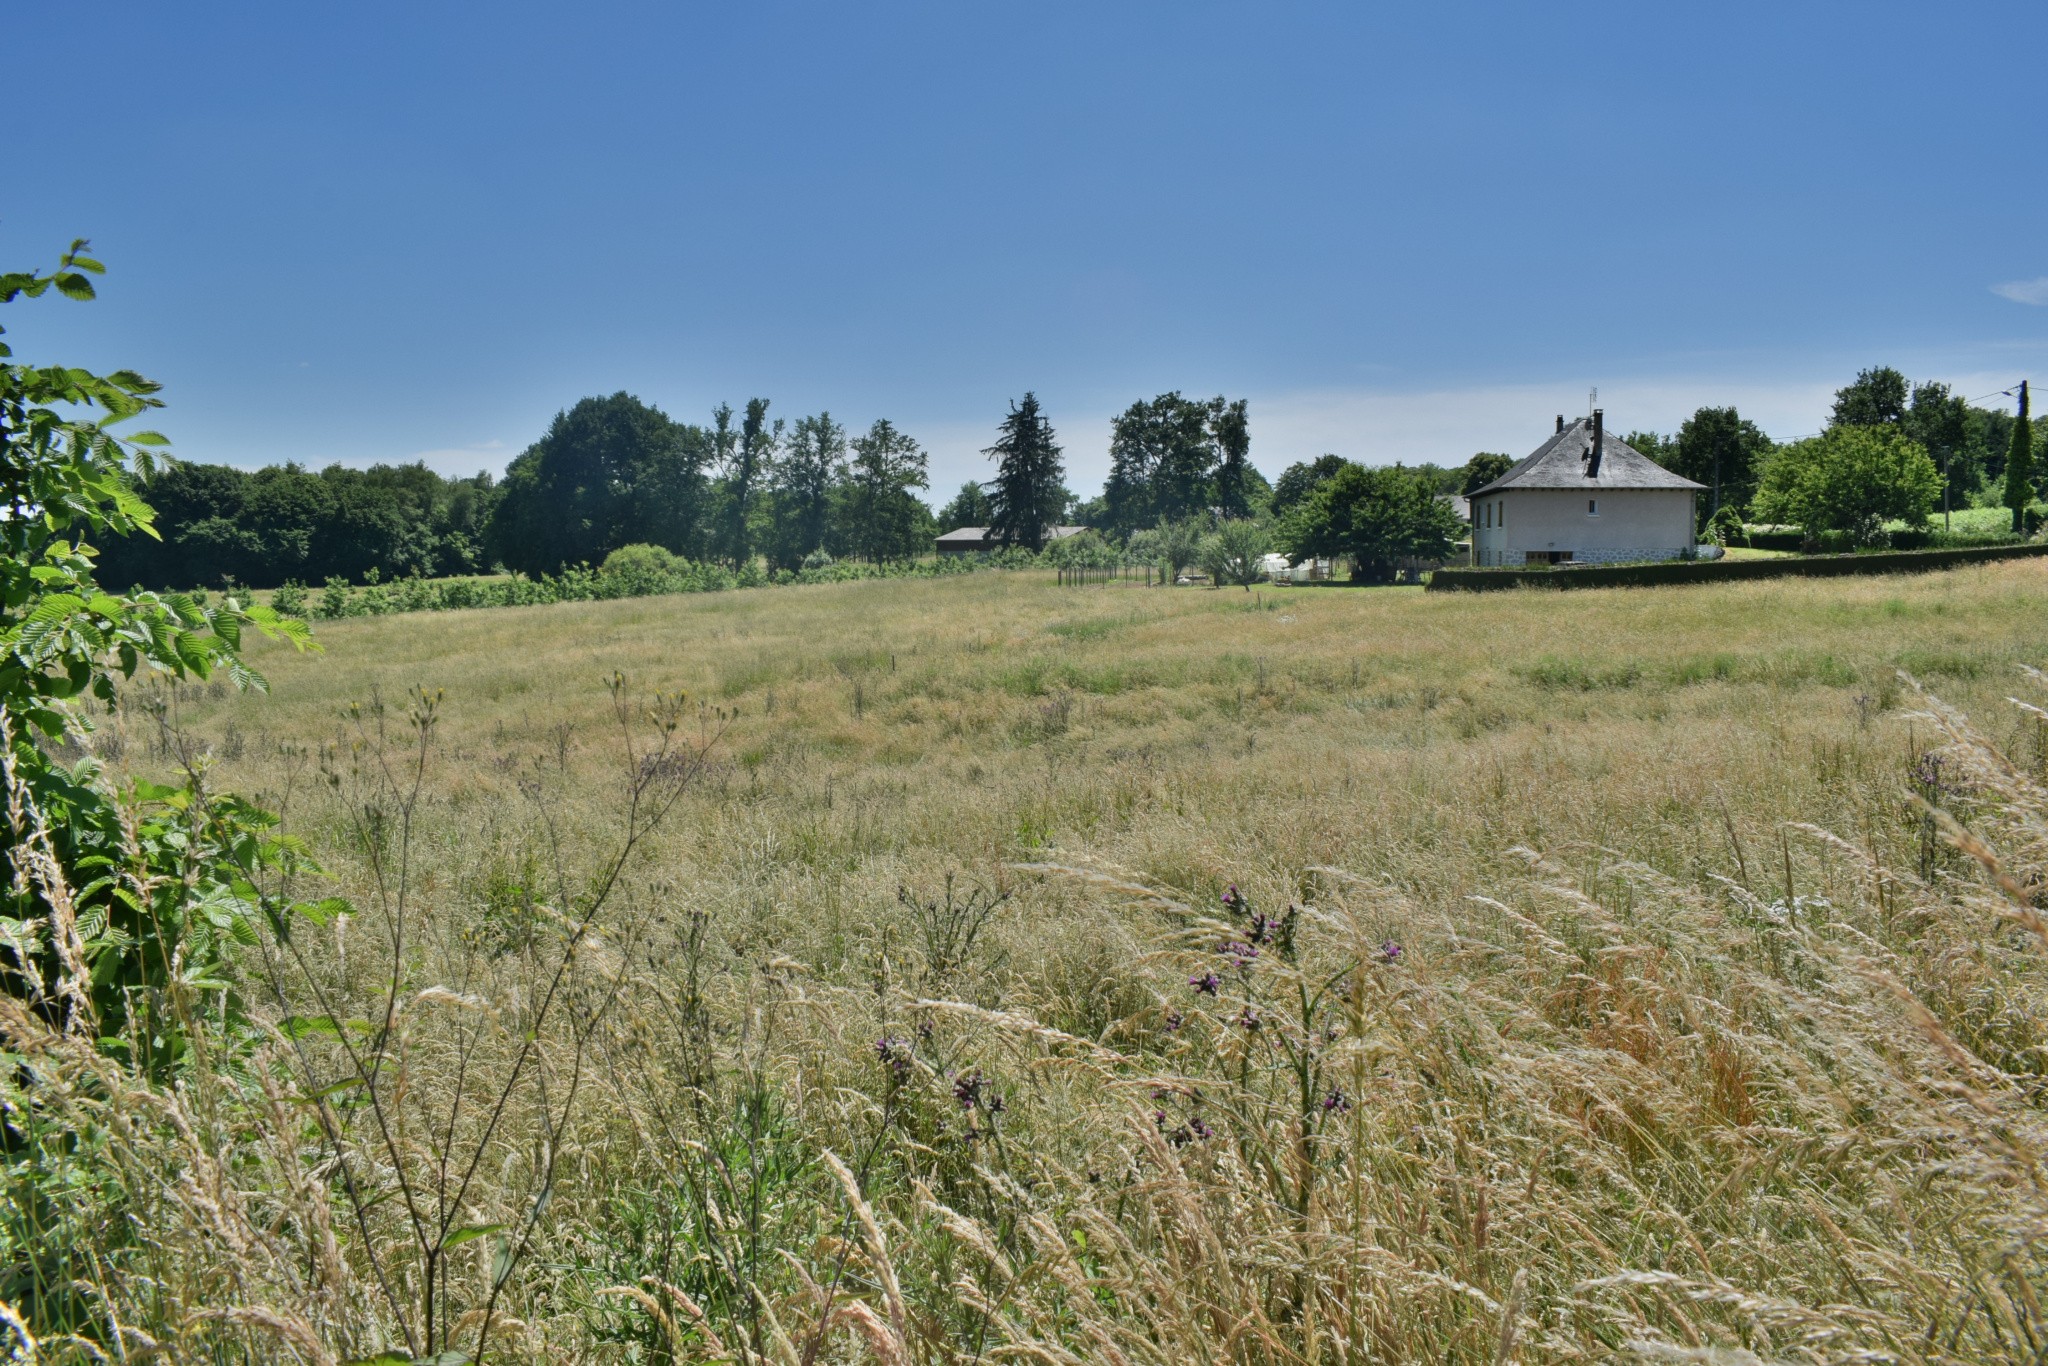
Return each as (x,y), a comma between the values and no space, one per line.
(1592,507)
(1502,519)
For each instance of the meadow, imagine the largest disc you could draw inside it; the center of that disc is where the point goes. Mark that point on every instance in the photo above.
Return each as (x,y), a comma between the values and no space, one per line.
(972,969)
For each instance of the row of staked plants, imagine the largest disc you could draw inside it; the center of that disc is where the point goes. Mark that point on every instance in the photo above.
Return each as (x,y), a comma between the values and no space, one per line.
(639,571)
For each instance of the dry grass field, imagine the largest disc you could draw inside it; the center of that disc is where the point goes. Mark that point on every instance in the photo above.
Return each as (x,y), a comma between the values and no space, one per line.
(990,971)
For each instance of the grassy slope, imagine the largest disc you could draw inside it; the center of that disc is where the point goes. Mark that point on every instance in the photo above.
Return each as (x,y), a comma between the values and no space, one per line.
(888,734)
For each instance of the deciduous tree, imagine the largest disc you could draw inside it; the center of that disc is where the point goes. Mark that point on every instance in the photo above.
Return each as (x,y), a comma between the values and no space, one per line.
(969,507)
(609,472)
(884,516)
(812,463)
(1230,431)
(1232,552)
(1161,458)
(1851,479)
(1482,469)
(1375,517)
(1722,449)
(1298,480)
(1876,399)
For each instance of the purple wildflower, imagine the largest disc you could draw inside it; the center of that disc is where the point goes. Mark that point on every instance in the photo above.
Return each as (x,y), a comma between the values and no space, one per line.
(894,1055)
(1248,1018)
(967,1089)
(1174,1020)
(1231,897)
(1389,951)
(1200,1129)
(1208,983)
(1336,1103)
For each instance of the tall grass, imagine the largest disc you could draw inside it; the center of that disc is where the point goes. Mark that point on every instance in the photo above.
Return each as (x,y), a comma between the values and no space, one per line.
(1113,975)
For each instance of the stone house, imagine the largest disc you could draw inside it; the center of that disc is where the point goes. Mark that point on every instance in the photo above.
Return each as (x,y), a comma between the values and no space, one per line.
(1584,496)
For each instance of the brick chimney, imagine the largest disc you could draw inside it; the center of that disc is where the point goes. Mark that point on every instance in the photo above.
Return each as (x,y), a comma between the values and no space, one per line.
(1599,438)
(1560,421)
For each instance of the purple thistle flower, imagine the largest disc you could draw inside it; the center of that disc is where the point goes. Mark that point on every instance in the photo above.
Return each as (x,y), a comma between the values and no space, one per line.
(1200,1129)
(894,1055)
(1248,1018)
(1336,1103)
(1389,951)
(1173,1020)
(1239,953)
(1208,984)
(967,1089)
(1231,897)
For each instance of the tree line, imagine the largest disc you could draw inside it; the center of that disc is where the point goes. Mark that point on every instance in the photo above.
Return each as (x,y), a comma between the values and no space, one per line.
(746,489)
(1893,450)
(609,472)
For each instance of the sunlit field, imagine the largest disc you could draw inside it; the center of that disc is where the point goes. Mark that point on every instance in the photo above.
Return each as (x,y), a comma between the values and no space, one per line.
(1113,974)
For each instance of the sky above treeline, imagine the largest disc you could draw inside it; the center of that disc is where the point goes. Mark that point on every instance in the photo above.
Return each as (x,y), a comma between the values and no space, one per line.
(385,232)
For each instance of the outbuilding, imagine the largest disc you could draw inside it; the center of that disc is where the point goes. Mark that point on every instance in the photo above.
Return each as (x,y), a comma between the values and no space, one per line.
(975,540)
(1584,497)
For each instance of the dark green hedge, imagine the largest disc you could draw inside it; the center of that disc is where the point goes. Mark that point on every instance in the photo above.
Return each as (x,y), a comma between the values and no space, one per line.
(1922,538)
(1717,571)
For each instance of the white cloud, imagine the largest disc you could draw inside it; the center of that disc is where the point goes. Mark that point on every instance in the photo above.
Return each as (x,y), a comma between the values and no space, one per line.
(2024,291)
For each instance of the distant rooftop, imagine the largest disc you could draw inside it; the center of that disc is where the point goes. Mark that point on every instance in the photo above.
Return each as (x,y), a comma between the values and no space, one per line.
(976,535)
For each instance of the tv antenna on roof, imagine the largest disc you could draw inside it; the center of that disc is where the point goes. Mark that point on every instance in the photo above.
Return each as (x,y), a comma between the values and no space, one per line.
(1592,400)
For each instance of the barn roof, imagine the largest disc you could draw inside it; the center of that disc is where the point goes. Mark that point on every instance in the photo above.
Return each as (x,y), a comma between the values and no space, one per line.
(1560,463)
(975,535)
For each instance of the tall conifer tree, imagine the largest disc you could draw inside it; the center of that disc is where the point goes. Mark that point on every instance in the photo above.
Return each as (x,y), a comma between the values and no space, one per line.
(1029,493)
(2019,467)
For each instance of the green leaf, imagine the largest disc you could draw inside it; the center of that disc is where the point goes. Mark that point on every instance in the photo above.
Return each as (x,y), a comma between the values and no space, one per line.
(306,1026)
(381,1359)
(473,1231)
(323,911)
(149,439)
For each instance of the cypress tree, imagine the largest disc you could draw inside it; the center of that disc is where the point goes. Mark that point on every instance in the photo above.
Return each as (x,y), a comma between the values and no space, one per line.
(2019,468)
(1029,492)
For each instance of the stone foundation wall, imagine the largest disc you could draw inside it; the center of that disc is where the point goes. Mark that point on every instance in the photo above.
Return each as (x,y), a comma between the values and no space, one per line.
(1621,556)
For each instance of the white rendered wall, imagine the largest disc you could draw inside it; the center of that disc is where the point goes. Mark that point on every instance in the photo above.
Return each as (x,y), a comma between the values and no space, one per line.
(1631,524)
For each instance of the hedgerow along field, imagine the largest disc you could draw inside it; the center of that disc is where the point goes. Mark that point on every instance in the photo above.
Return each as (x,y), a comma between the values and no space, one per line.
(1025,974)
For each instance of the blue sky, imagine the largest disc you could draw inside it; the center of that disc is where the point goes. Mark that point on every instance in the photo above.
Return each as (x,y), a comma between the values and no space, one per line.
(382,232)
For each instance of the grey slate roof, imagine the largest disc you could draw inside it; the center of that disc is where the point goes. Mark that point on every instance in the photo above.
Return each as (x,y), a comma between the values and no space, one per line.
(1560,463)
(978,535)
